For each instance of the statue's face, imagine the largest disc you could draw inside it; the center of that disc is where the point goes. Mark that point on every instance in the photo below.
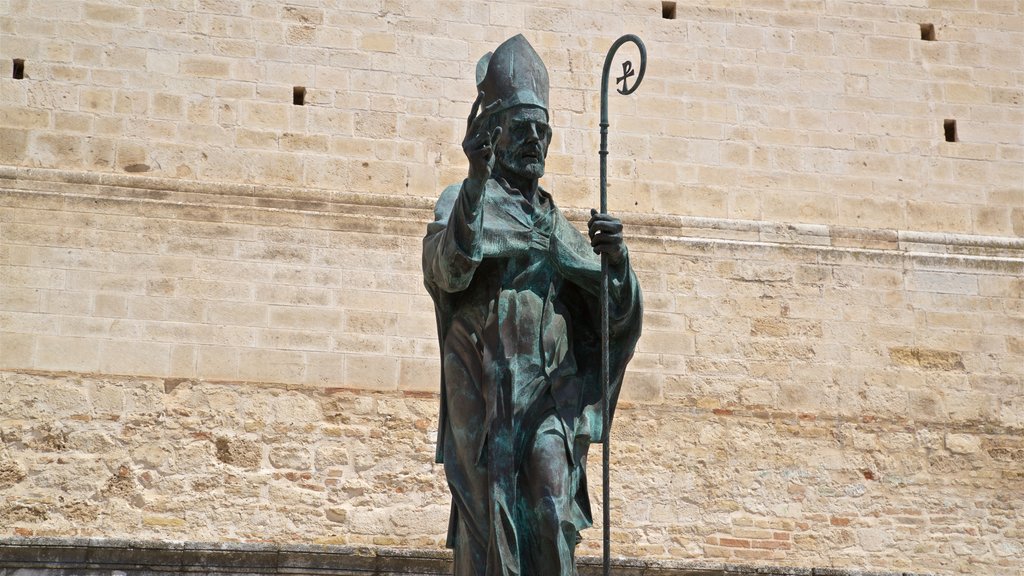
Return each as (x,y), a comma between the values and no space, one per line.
(523,143)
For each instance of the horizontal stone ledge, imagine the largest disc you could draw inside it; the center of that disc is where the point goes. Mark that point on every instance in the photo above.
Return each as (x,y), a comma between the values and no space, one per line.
(232,191)
(102,556)
(417,210)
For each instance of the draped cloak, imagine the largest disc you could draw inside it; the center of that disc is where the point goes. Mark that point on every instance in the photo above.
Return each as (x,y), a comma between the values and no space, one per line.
(517,288)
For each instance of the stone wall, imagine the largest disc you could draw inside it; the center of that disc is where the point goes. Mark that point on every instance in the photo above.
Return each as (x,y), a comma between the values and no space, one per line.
(230,363)
(782,110)
(213,327)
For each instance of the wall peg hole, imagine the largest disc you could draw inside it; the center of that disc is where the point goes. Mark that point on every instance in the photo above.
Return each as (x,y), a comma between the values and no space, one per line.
(668,10)
(949,127)
(299,96)
(19,69)
(928,32)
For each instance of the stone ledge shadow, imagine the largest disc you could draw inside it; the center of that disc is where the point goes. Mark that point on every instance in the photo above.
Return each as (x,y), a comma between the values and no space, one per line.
(112,557)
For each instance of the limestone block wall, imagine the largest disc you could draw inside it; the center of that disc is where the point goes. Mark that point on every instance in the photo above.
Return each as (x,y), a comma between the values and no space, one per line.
(230,363)
(213,328)
(783,110)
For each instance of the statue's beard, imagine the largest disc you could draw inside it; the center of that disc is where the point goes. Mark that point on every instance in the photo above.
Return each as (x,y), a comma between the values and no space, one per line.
(523,167)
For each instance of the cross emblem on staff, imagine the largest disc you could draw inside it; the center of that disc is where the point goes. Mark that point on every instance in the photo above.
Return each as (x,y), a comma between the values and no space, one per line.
(627,71)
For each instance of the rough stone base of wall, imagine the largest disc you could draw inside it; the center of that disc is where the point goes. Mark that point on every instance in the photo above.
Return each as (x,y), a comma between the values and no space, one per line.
(105,557)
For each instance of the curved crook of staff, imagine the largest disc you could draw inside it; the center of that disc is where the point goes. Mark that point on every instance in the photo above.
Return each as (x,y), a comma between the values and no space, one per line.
(627,88)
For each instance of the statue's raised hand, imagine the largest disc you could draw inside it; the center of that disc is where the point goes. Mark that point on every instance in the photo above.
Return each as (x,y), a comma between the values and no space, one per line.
(479,143)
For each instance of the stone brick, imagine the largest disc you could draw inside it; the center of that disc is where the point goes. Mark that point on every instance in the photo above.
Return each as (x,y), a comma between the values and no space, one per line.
(168,106)
(205,67)
(963,443)
(271,366)
(375,124)
(238,313)
(111,14)
(372,372)
(279,168)
(377,42)
(293,340)
(943,282)
(926,358)
(183,361)
(19,117)
(62,353)
(306,318)
(17,349)
(239,452)
(325,369)
(419,374)
(151,359)
(218,363)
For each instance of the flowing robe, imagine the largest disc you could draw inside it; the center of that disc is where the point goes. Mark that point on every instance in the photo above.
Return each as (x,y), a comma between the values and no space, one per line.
(516,293)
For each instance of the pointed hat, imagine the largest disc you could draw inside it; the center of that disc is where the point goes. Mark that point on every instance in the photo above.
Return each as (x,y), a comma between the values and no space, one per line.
(514,73)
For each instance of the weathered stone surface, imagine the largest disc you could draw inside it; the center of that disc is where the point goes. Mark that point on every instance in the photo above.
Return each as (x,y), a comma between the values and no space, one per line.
(742,484)
(927,359)
(963,443)
(11,472)
(239,452)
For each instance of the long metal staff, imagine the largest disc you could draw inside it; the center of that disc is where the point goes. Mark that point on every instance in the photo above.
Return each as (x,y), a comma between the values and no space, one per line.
(627,72)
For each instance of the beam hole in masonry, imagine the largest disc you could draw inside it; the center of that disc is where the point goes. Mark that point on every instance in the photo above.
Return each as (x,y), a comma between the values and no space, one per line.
(299,96)
(668,10)
(137,168)
(949,127)
(928,32)
(19,69)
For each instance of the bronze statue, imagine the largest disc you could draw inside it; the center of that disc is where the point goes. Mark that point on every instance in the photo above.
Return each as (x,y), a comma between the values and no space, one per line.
(516,293)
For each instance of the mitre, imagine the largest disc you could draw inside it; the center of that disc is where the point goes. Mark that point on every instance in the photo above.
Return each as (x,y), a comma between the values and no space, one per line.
(513,73)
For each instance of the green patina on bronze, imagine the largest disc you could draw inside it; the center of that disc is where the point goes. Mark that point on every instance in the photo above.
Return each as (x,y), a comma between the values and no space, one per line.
(516,291)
